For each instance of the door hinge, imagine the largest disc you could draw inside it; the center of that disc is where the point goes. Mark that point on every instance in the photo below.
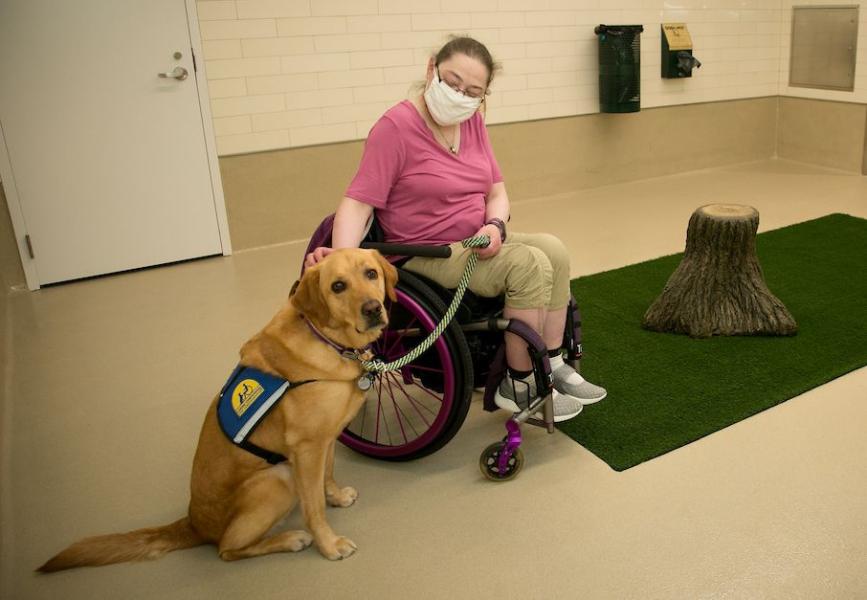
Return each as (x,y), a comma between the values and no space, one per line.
(193,54)
(29,246)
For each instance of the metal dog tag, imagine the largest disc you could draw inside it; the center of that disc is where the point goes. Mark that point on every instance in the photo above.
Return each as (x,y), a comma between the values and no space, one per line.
(364,383)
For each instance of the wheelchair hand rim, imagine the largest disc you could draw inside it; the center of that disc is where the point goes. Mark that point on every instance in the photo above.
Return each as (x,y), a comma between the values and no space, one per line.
(377,395)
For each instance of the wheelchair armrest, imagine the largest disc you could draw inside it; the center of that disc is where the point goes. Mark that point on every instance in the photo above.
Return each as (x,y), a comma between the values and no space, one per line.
(409,250)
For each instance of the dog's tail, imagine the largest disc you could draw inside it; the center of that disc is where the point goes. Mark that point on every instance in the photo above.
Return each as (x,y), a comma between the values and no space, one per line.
(141,544)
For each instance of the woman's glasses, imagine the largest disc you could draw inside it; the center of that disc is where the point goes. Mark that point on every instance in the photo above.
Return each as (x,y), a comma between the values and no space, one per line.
(453,81)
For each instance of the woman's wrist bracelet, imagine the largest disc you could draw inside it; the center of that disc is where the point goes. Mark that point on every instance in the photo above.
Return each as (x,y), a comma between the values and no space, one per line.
(498,223)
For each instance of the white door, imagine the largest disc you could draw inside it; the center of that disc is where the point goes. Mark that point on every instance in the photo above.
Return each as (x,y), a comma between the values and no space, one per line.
(109,160)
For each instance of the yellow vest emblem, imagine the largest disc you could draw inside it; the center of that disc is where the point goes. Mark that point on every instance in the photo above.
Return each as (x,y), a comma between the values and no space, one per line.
(245,394)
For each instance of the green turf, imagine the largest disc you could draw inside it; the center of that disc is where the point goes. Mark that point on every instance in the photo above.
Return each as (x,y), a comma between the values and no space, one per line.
(666,390)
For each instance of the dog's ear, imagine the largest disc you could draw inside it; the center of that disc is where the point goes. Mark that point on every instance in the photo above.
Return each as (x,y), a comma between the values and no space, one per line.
(390,274)
(307,297)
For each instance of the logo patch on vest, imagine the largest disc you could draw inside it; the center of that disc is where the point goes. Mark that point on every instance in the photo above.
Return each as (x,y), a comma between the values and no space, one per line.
(245,395)
(248,396)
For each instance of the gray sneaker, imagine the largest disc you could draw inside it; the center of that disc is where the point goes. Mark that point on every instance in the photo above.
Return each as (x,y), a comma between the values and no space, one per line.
(515,395)
(585,392)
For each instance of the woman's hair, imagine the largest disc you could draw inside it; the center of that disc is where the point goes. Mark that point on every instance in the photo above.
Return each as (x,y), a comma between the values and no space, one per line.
(472,48)
(461,44)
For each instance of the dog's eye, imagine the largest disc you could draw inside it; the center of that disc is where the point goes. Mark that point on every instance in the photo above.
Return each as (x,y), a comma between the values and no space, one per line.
(338,286)
(371,274)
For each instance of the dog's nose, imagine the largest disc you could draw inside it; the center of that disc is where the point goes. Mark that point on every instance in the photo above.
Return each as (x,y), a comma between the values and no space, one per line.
(372,309)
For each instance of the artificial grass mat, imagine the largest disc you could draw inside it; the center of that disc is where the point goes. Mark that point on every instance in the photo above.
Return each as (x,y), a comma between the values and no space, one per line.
(667,390)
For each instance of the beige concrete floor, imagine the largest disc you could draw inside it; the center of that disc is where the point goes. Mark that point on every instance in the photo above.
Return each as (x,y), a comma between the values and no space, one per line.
(108,380)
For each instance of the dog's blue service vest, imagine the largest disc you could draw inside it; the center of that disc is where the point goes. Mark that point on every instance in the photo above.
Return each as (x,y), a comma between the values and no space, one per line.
(248,396)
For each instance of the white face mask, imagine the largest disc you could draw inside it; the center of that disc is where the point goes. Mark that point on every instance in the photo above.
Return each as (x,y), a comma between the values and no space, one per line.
(447,106)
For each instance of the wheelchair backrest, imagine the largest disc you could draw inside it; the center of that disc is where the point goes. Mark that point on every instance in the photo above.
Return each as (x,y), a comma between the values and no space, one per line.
(322,235)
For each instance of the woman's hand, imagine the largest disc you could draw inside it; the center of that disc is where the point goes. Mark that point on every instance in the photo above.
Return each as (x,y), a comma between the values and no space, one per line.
(493,232)
(317,255)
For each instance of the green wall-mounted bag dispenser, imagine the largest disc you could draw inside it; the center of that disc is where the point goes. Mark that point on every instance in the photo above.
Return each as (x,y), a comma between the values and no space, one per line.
(619,68)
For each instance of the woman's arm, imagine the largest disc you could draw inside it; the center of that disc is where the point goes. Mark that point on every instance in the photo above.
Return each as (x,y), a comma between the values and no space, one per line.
(496,207)
(349,222)
(497,204)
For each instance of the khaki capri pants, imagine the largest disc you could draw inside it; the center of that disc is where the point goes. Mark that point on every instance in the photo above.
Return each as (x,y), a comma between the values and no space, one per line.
(531,269)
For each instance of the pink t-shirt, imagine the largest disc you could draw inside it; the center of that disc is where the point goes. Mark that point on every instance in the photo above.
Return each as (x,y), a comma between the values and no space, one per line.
(424,194)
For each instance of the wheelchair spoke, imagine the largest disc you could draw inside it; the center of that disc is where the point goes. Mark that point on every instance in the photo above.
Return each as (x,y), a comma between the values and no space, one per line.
(421,368)
(431,394)
(387,430)
(396,411)
(415,403)
(399,337)
(363,410)
(378,411)
(363,417)
(409,331)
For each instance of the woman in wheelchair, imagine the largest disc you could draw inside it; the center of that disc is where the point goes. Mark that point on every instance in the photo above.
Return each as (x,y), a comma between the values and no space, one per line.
(429,171)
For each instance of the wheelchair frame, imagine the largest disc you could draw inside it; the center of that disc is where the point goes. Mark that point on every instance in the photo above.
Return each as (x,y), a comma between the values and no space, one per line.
(501,460)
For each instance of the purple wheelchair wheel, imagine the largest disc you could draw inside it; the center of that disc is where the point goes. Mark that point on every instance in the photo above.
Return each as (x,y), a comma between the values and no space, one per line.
(416,410)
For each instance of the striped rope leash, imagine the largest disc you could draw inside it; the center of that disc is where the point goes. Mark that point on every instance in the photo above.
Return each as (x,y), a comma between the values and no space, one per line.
(377,366)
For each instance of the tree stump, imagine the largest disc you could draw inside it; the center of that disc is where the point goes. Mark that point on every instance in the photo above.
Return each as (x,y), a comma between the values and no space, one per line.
(719,288)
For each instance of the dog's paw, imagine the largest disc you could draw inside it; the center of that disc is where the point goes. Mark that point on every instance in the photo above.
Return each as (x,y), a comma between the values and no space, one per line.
(343,497)
(298,540)
(339,549)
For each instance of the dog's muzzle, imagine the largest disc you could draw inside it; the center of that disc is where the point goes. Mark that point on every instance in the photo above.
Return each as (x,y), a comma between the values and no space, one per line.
(372,312)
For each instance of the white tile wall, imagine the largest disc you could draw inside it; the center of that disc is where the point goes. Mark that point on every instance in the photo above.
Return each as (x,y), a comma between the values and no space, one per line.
(287,73)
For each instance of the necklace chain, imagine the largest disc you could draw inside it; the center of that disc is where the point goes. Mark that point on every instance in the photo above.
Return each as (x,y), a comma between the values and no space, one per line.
(451,145)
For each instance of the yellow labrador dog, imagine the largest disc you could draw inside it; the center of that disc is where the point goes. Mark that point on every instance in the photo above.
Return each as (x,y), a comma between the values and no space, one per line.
(236,496)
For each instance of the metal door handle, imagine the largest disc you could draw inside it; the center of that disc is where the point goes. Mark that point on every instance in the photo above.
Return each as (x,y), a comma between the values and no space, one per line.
(178,73)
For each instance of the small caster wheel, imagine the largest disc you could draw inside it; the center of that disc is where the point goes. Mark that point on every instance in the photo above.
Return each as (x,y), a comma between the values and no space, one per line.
(489,463)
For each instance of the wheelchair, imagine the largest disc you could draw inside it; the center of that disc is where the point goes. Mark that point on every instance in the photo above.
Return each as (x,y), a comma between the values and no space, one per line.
(414,411)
